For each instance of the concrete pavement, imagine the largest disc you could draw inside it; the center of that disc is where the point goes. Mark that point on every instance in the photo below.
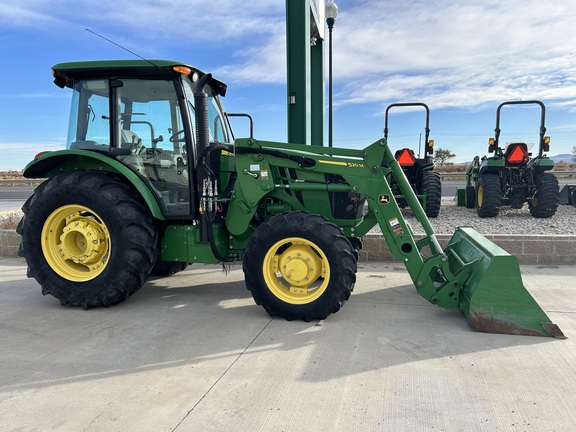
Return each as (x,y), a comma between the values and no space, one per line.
(192,352)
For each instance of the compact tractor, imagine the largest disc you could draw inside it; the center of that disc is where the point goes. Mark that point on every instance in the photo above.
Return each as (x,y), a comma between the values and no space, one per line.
(152,180)
(419,171)
(512,177)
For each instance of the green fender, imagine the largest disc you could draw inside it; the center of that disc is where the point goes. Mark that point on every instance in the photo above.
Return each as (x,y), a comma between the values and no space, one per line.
(541,164)
(492,165)
(50,164)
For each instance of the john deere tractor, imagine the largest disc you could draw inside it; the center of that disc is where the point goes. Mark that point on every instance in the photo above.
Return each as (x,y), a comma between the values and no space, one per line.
(152,178)
(419,171)
(512,176)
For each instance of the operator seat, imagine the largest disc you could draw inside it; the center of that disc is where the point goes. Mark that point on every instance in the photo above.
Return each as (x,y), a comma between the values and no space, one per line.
(130,140)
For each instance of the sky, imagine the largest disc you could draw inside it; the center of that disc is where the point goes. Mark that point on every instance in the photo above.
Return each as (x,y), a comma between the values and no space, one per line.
(460,57)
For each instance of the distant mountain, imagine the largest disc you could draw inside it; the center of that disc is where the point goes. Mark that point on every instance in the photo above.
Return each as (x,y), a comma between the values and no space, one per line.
(566,157)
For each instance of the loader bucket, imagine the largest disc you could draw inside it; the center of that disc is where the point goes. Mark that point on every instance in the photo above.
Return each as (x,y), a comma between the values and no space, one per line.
(493,298)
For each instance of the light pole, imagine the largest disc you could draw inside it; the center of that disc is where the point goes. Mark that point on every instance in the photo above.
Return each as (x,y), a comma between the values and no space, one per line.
(331,13)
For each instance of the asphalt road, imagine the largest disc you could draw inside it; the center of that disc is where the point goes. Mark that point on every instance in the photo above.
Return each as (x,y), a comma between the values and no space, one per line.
(13,197)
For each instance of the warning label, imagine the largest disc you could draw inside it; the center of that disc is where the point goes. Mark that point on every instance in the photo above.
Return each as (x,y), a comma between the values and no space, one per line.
(396,227)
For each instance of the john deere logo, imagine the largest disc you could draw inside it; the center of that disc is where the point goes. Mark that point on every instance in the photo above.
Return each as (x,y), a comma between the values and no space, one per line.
(384,199)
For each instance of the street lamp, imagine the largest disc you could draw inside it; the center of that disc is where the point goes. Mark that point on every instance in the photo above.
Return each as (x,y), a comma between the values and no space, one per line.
(331,13)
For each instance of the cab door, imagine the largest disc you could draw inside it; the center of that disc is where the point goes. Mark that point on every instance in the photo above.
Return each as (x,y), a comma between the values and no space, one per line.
(151,125)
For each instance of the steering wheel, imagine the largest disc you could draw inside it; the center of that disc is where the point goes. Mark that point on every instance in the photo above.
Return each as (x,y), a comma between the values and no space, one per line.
(152,151)
(174,137)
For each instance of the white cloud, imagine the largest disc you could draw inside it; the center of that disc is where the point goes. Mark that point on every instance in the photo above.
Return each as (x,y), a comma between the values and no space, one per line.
(17,155)
(451,53)
(175,20)
(448,53)
(266,64)
(27,147)
(456,53)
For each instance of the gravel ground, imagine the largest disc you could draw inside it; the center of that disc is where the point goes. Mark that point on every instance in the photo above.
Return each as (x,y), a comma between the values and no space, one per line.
(508,221)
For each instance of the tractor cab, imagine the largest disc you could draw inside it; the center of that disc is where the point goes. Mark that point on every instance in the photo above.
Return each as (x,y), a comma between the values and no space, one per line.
(142,113)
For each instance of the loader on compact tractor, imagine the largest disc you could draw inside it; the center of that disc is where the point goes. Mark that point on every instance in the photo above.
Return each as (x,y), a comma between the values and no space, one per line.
(419,171)
(512,177)
(152,179)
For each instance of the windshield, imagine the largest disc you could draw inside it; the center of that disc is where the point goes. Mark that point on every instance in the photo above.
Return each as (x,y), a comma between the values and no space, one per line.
(218,130)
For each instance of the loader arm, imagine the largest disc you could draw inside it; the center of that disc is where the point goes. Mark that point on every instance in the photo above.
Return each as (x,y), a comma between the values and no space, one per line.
(298,177)
(364,174)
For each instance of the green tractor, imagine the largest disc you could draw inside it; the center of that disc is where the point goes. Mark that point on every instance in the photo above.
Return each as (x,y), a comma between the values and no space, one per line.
(152,180)
(512,177)
(425,182)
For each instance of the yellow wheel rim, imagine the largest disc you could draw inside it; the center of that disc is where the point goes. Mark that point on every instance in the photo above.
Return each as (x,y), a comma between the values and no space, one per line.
(76,243)
(296,270)
(480,197)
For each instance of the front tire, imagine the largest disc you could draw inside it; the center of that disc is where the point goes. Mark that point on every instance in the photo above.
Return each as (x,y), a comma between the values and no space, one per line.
(488,195)
(299,265)
(545,201)
(87,238)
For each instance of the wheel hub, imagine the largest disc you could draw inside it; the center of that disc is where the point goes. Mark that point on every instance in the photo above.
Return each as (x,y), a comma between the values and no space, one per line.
(76,243)
(296,270)
(300,266)
(81,241)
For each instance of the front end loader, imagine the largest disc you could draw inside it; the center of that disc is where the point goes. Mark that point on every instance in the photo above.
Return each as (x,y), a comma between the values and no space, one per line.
(151,177)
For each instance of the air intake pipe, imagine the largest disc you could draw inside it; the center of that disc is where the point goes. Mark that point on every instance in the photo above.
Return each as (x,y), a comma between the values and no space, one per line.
(201,113)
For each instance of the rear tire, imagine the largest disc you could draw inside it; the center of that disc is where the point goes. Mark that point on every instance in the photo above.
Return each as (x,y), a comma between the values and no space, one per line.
(432,188)
(88,239)
(470,197)
(488,195)
(545,202)
(300,266)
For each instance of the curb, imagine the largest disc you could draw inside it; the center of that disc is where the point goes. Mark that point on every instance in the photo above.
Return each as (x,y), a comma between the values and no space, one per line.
(529,249)
(9,243)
